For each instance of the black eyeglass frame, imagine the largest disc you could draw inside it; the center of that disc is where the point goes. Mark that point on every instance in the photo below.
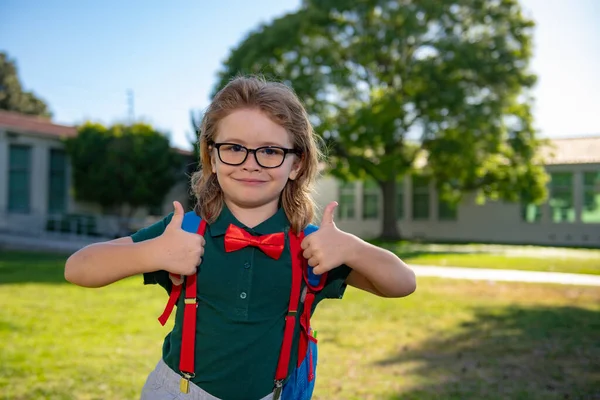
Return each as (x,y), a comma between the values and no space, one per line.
(286,151)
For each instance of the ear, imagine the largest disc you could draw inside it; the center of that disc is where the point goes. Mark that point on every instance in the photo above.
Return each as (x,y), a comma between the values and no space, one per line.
(296,167)
(213,159)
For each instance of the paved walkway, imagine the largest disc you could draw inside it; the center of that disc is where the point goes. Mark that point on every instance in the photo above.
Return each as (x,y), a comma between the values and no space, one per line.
(506,275)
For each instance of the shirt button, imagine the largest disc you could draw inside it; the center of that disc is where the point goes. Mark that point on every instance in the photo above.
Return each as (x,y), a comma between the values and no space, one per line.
(243,295)
(246,265)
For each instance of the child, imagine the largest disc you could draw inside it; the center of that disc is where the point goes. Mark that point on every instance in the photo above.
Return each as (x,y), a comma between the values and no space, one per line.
(259,162)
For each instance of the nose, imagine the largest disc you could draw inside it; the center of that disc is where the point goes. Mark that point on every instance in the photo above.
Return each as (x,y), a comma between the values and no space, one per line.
(251,164)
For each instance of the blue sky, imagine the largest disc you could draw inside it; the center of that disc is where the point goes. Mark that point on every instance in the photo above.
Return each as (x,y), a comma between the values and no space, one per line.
(83,57)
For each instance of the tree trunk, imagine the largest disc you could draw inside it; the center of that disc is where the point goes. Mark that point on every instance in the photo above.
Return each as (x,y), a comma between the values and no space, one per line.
(390,223)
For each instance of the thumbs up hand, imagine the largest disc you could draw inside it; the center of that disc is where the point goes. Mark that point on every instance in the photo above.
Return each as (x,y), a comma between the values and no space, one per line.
(329,247)
(180,251)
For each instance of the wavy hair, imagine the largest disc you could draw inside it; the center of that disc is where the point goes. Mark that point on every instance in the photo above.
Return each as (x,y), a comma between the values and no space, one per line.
(283,107)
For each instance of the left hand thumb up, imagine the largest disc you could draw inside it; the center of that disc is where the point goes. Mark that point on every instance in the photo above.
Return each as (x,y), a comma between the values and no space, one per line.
(328,214)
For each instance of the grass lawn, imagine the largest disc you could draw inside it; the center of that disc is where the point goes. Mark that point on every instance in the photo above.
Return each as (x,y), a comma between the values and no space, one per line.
(528,258)
(450,340)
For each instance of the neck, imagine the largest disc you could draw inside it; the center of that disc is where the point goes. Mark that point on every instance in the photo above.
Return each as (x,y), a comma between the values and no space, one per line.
(252,216)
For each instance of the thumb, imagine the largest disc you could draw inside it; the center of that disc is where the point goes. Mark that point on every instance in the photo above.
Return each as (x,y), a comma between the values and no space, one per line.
(177,215)
(328,213)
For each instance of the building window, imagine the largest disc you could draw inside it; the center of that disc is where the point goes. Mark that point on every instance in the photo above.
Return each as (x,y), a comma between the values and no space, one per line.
(531,213)
(420,197)
(346,207)
(591,198)
(400,199)
(447,211)
(561,197)
(370,200)
(57,183)
(19,176)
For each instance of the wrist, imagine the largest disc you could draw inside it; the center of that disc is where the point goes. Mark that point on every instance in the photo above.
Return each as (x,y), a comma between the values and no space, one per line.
(353,250)
(149,255)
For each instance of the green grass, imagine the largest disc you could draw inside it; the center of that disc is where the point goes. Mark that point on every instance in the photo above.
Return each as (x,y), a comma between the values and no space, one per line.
(449,340)
(526,258)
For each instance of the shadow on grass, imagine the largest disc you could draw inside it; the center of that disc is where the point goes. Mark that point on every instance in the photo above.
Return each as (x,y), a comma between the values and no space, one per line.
(33,267)
(521,353)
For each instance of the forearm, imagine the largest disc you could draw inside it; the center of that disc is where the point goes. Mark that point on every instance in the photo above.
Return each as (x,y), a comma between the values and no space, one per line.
(101,264)
(385,271)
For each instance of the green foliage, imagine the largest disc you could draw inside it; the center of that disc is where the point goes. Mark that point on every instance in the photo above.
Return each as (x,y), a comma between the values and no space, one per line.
(12,95)
(122,165)
(390,82)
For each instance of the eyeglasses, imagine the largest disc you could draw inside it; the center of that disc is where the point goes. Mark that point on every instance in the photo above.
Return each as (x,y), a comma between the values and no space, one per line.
(265,156)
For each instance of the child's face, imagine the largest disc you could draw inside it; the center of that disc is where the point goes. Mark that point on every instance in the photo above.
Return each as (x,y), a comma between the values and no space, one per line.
(250,185)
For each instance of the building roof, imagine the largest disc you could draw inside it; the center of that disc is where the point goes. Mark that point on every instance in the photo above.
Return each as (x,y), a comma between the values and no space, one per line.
(581,150)
(32,124)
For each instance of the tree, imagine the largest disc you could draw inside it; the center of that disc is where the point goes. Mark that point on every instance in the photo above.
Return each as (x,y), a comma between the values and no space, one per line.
(122,168)
(389,83)
(12,96)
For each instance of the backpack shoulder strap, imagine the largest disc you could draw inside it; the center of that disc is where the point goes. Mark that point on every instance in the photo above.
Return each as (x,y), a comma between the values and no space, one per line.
(310,228)
(315,282)
(190,222)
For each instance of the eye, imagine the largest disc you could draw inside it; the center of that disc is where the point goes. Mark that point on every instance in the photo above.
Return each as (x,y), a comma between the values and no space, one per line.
(271,151)
(233,148)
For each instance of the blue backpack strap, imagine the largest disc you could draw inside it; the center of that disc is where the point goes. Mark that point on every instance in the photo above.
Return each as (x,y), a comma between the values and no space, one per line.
(313,279)
(191,221)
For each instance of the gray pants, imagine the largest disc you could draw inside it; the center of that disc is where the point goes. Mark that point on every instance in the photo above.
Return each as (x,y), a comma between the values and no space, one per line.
(163,384)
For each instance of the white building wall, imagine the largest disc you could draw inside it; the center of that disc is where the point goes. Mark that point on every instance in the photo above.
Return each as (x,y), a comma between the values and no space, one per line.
(38,180)
(3,178)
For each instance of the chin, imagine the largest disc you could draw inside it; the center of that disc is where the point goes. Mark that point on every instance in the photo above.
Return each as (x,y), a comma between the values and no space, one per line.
(253,200)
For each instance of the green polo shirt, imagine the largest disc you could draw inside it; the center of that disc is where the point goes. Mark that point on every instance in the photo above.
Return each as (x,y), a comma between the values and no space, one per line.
(243,297)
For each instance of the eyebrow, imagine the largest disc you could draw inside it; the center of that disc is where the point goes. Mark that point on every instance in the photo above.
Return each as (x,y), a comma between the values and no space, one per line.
(244,143)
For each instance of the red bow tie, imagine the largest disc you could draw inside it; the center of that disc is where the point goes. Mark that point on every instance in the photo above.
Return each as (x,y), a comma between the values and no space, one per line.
(236,238)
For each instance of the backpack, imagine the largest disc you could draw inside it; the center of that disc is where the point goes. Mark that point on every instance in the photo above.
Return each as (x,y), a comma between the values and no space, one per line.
(301,380)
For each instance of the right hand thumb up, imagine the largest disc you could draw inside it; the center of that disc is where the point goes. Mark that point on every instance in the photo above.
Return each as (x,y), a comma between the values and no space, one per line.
(177,219)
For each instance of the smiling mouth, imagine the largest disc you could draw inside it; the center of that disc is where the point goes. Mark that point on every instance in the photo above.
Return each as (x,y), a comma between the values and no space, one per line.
(250,181)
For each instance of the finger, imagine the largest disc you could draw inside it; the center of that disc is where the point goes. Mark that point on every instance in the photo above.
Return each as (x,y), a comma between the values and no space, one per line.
(328,213)
(318,270)
(176,279)
(313,262)
(191,271)
(307,254)
(305,243)
(177,215)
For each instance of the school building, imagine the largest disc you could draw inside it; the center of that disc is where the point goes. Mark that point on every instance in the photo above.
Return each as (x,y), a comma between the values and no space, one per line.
(36,197)
(570,216)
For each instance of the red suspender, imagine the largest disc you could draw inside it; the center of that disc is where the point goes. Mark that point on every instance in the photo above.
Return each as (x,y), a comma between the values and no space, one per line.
(290,318)
(188,342)
(188,339)
(175,292)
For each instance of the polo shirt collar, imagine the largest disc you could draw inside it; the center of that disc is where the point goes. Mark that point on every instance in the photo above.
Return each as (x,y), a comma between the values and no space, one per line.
(277,223)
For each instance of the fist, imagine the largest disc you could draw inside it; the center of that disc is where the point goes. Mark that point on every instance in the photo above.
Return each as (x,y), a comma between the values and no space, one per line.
(180,251)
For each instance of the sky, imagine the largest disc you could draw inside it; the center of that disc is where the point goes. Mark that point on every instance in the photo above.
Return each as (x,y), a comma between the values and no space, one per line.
(84,57)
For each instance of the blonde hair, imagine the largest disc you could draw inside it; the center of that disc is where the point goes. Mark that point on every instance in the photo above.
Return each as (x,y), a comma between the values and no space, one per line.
(283,107)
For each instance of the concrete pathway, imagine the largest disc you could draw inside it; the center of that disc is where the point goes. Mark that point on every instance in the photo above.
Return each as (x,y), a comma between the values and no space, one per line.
(506,275)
